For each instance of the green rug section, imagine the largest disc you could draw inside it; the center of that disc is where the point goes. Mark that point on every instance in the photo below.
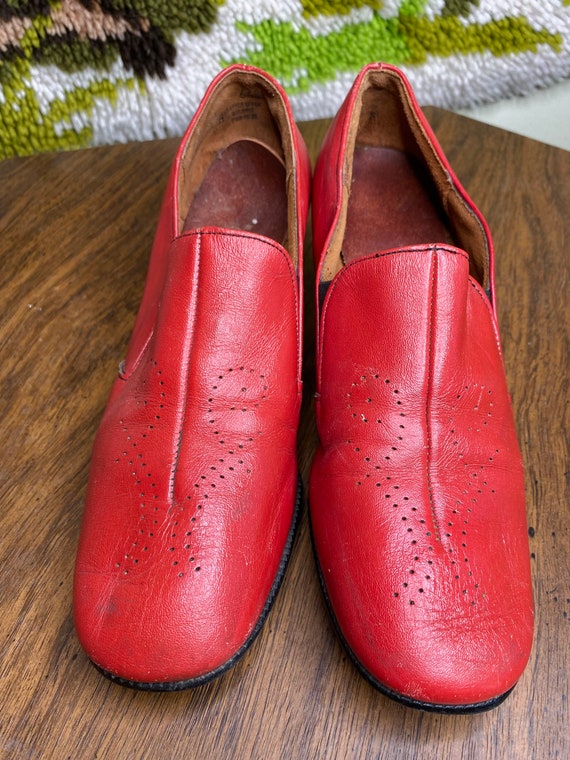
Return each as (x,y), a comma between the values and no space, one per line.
(407,39)
(313,8)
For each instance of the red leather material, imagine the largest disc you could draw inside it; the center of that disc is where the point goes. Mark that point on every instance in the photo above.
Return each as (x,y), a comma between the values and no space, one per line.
(193,477)
(417,491)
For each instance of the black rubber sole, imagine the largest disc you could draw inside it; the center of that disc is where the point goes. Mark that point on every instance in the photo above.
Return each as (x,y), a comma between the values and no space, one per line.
(224,667)
(466,709)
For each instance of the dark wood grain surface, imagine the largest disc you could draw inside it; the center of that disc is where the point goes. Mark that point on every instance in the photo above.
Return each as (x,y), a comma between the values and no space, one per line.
(75,235)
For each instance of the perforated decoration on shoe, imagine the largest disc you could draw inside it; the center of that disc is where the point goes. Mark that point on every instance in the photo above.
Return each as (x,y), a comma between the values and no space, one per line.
(165,527)
(137,443)
(469,424)
(374,400)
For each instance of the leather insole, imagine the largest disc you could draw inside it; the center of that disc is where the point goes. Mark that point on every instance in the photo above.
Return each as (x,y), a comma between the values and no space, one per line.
(392,204)
(244,188)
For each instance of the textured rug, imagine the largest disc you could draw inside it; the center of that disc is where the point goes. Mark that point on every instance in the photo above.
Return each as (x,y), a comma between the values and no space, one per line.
(75,73)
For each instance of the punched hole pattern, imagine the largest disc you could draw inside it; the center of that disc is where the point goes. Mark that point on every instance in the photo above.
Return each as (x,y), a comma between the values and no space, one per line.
(366,394)
(450,547)
(231,462)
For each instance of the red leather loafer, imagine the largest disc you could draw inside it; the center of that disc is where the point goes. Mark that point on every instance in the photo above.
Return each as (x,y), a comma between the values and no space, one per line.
(193,488)
(416,492)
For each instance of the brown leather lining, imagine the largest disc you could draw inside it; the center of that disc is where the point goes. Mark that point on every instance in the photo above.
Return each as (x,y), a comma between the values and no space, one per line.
(383,120)
(244,121)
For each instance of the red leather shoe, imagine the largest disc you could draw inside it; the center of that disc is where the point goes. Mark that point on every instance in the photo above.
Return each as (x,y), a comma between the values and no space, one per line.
(416,491)
(193,489)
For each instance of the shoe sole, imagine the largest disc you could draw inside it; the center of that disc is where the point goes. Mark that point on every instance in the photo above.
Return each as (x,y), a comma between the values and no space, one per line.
(475,707)
(221,669)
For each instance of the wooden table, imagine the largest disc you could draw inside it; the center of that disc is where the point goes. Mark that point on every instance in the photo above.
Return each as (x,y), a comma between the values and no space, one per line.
(75,234)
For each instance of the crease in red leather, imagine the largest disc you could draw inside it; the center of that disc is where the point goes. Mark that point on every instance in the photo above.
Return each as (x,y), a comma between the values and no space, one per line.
(431,337)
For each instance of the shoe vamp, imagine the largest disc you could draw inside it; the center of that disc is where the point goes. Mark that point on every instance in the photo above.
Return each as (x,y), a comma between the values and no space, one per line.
(417,494)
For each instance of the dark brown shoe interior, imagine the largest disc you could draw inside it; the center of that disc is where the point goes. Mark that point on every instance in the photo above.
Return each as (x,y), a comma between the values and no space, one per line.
(238,168)
(393,203)
(397,190)
(244,189)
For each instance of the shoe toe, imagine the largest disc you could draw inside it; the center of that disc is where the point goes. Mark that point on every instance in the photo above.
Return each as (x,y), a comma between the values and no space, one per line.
(181,605)
(435,616)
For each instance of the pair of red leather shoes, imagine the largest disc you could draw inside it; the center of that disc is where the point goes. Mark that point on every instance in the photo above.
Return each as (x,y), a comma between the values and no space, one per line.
(416,492)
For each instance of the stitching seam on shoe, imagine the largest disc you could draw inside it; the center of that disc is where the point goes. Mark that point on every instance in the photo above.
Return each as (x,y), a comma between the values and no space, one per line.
(429,387)
(322,313)
(294,274)
(483,296)
(185,368)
